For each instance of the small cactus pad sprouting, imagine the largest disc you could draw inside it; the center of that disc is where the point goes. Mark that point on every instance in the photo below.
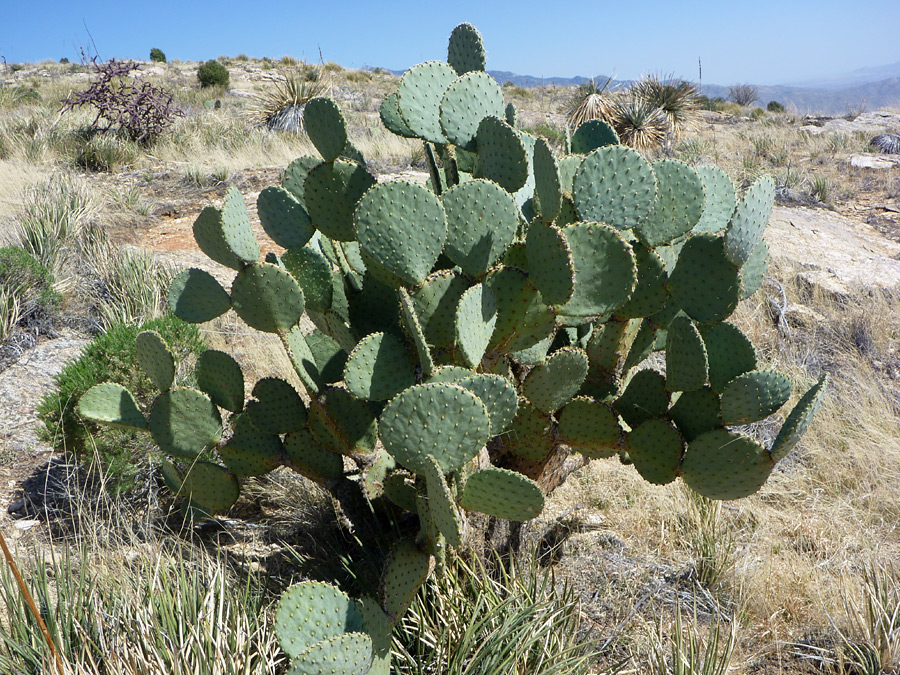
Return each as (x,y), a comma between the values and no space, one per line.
(406,570)
(705,284)
(185,422)
(696,412)
(730,354)
(678,206)
(220,377)
(720,200)
(754,396)
(799,420)
(153,354)
(325,127)
(482,219)
(749,220)
(503,494)
(465,49)
(590,427)
(113,404)
(687,367)
(656,448)
(196,297)
(332,190)
(553,383)
(267,298)
(439,419)
(723,464)
(476,317)
(591,135)
(379,368)
(278,407)
(550,264)
(420,93)
(605,270)
(283,217)
(313,611)
(441,504)
(466,102)
(502,157)
(616,186)
(403,227)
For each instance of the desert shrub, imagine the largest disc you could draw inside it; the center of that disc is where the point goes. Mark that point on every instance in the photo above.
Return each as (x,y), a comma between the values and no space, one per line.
(102,152)
(30,299)
(676,98)
(64,60)
(743,94)
(110,357)
(775,106)
(138,110)
(213,74)
(757,113)
(554,134)
(157,55)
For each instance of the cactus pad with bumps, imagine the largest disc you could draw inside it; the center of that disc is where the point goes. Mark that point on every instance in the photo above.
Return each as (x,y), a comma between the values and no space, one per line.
(391,117)
(753,272)
(348,654)
(502,157)
(267,298)
(196,297)
(705,284)
(730,354)
(616,186)
(476,317)
(220,377)
(413,329)
(332,190)
(678,206)
(696,412)
(754,396)
(553,383)
(523,318)
(311,612)
(644,397)
(591,135)
(498,396)
(655,448)
(441,504)
(210,486)
(466,102)
(406,570)
(435,303)
(294,179)
(419,97)
(249,451)
(798,420)
(155,358)
(378,368)
(278,407)
(749,220)
(503,494)
(687,367)
(313,272)
(551,266)
(530,436)
(590,427)
(325,127)
(465,50)
(720,200)
(650,294)
(343,424)
(310,459)
(439,419)
(547,187)
(113,404)
(185,422)
(283,217)
(723,464)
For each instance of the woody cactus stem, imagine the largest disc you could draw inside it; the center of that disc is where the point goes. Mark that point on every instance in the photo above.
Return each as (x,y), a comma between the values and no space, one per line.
(473,341)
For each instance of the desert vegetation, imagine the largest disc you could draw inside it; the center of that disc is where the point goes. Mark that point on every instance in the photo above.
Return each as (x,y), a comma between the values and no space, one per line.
(616,574)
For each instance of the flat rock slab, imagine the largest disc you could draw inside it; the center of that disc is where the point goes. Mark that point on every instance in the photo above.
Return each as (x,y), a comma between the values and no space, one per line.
(838,254)
(873,161)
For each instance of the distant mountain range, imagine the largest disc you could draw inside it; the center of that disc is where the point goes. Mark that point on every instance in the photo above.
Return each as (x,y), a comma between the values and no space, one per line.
(863,89)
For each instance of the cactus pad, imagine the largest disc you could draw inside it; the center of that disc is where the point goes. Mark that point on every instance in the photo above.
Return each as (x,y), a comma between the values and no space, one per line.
(378,368)
(294,179)
(650,294)
(465,50)
(501,154)
(616,186)
(113,404)
(219,376)
(642,345)
(313,611)
(406,570)
(332,190)
(754,396)
(557,380)
(236,231)
(439,419)
(590,427)
(155,358)
(644,397)
(210,237)
(705,284)
(687,367)
(547,187)
(656,448)
(679,203)
(348,654)
(283,217)
(278,407)
(696,412)
(185,422)
(530,436)
(403,227)
(441,504)
(503,494)
(330,359)
(799,420)
(310,459)
(391,117)
(435,303)
(419,97)
(325,127)
(343,424)
(722,464)
(730,354)
(250,452)
(466,102)
(550,263)
(754,271)
(591,135)
(196,297)
(313,272)
(210,486)
(267,298)
(482,219)
(498,396)
(476,317)
(605,270)
(749,220)
(414,332)
(523,318)
(720,200)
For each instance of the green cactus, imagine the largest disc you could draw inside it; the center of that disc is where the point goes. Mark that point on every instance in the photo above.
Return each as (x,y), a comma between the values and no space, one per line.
(468,337)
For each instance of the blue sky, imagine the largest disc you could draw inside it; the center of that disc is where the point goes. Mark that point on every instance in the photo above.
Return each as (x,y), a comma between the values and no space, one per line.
(759,41)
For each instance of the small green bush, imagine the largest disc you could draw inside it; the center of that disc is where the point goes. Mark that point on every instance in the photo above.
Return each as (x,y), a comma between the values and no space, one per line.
(756,113)
(64,60)
(552,134)
(157,55)
(110,357)
(212,74)
(775,106)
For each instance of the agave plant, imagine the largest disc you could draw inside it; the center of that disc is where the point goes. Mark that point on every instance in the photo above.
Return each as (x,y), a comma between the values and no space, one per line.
(280,108)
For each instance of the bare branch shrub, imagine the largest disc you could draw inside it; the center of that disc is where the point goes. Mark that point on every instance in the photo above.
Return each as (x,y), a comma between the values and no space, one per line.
(743,94)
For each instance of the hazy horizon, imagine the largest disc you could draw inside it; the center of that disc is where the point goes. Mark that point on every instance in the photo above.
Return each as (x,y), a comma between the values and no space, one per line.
(770,43)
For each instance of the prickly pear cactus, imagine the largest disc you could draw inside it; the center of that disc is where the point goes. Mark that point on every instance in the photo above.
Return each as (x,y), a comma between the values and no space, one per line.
(471,335)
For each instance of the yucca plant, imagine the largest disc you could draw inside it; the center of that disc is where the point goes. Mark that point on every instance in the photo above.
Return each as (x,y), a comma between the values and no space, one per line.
(676,98)
(280,108)
(640,125)
(591,102)
(690,654)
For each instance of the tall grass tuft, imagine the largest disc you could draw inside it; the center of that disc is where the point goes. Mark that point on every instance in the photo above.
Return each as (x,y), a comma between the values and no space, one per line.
(689,652)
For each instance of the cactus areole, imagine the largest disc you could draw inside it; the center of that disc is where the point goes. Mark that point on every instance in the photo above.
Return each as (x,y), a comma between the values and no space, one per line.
(475,338)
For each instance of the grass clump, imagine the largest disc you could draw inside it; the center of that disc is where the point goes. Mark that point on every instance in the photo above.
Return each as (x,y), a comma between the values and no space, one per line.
(110,357)
(28,297)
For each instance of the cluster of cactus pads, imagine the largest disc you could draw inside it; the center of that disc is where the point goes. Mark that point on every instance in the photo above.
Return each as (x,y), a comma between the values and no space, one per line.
(471,335)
